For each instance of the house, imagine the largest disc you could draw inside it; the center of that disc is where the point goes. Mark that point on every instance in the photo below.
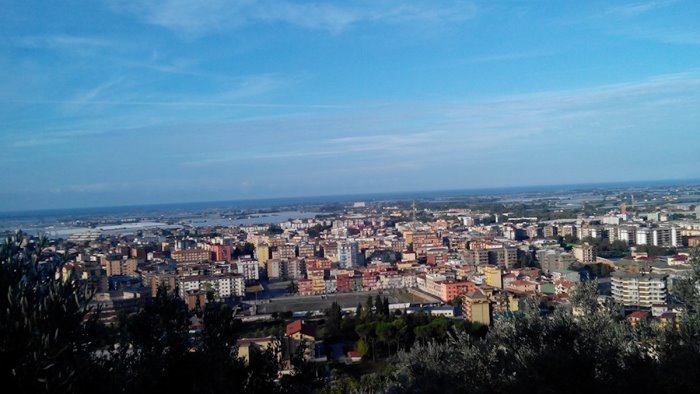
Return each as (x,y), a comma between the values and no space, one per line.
(261,344)
(564,286)
(524,286)
(635,317)
(300,331)
(669,319)
(353,357)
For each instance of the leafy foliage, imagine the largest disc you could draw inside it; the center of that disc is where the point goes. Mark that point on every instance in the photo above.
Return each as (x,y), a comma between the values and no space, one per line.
(46,335)
(51,341)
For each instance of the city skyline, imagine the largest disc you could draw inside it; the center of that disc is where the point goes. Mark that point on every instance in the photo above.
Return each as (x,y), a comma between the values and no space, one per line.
(127,103)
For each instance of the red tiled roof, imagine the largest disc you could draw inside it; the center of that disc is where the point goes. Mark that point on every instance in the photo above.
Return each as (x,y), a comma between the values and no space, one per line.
(638,315)
(299,326)
(294,327)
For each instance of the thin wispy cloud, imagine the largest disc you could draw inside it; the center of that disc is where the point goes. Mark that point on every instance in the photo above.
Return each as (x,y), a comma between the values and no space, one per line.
(176,103)
(638,8)
(669,36)
(447,129)
(503,57)
(90,95)
(198,18)
(307,97)
(60,41)
(34,142)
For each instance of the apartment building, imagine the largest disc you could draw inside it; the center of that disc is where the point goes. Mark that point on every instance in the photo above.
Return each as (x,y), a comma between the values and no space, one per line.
(191,255)
(584,253)
(640,290)
(224,285)
(120,267)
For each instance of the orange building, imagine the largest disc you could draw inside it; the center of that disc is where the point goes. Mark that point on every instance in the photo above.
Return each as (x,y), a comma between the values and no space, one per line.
(449,289)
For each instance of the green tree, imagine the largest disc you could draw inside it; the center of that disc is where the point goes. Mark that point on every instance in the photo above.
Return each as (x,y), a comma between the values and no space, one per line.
(47,332)
(274,230)
(456,302)
(368,308)
(216,363)
(334,319)
(305,376)
(385,333)
(247,249)
(401,333)
(157,336)
(262,370)
(366,332)
(361,347)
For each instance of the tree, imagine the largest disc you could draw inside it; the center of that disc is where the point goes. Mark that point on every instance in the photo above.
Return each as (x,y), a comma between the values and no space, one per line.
(526,259)
(247,249)
(358,311)
(368,308)
(686,288)
(293,288)
(217,363)
(378,305)
(157,334)
(315,231)
(262,370)
(334,318)
(401,333)
(305,376)
(385,332)
(584,297)
(47,330)
(366,331)
(361,347)
(274,230)
(456,302)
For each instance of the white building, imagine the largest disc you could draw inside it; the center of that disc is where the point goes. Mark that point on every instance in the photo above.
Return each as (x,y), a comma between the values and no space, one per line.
(223,286)
(348,254)
(643,236)
(638,289)
(249,268)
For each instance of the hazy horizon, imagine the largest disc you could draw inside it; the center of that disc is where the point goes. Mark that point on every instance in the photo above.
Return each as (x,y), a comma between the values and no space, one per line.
(112,103)
(371,196)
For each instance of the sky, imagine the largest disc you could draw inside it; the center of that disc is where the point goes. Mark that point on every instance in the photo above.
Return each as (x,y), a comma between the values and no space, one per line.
(107,103)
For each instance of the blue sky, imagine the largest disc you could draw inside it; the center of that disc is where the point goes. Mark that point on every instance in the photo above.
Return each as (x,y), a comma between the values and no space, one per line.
(129,102)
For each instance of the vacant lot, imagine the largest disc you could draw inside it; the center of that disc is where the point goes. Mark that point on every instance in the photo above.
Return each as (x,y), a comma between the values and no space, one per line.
(314,303)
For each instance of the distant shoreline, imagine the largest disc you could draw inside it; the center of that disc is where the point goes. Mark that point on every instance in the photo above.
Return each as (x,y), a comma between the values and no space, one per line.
(271,203)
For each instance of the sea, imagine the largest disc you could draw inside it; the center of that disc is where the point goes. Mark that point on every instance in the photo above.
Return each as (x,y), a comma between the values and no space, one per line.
(277,210)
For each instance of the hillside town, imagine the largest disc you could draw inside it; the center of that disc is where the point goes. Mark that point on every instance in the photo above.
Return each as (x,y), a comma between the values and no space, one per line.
(461,265)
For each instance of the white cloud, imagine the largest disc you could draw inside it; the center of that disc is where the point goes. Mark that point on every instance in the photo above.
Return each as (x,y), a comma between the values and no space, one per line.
(195,18)
(60,41)
(671,36)
(454,129)
(638,8)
